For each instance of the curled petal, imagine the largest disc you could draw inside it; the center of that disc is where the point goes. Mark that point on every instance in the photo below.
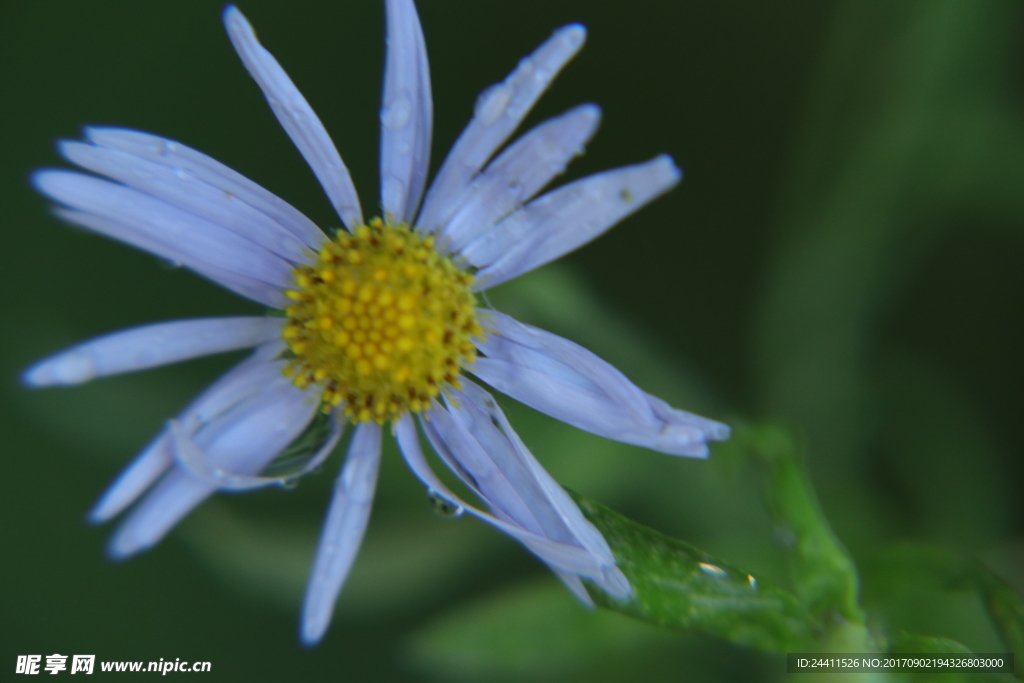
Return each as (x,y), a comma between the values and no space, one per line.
(243,440)
(191,459)
(234,386)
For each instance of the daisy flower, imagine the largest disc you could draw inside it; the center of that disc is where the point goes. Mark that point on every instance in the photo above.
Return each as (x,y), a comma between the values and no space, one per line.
(376,324)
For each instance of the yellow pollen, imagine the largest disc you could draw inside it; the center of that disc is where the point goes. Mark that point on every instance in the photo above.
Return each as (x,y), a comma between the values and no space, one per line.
(381,321)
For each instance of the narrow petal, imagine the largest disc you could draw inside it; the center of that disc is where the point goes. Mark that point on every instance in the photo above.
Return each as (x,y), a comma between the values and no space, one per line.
(554,508)
(558,555)
(244,441)
(406,115)
(296,117)
(564,380)
(250,288)
(184,159)
(567,218)
(499,110)
(231,388)
(138,476)
(185,191)
(151,346)
(343,530)
(518,174)
(151,221)
(466,444)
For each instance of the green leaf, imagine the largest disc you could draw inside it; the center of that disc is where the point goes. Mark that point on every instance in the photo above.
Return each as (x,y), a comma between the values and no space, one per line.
(677,585)
(824,576)
(1007,611)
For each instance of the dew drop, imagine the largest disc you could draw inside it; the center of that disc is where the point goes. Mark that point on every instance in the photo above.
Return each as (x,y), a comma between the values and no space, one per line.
(396,114)
(443,507)
(492,103)
(712,570)
(392,194)
(752,581)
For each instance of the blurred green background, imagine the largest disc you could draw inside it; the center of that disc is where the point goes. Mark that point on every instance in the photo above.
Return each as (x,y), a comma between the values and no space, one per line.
(845,255)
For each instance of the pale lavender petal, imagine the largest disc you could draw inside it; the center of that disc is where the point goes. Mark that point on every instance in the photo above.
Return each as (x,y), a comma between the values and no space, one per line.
(190,193)
(157,222)
(246,286)
(343,530)
(575,586)
(184,159)
(138,476)
(151,346)
(558,555)
(557,513)
(564,380)
(518,174)
(406,115)
(193,460)
(560,221)
(499,110)
(296,117)
(469,459)
(244,440)
(241,381)
(554,508)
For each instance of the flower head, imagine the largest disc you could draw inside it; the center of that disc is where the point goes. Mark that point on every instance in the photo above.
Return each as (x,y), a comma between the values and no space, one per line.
(381,322)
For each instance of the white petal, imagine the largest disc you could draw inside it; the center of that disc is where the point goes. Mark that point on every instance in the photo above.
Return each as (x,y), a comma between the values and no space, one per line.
(343,530)
(296,117)
(234,386)
(156,222)
(244,285)
(567,557)
(406,115)
(244,440)
(185,191)
(518,174)
(567,218)
(184,159)
(499,110)
(151,346)
(564,380)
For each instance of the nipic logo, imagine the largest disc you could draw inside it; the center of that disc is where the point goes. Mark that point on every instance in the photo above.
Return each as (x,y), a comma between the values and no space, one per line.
(55,663)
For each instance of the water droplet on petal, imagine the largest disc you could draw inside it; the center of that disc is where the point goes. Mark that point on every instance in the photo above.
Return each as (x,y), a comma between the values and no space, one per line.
(396,114)
(492,103)
(713,571)
(444,507)
(393,193)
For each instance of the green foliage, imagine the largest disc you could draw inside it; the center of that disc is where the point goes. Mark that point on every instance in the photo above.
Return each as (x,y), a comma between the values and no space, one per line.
(680,586)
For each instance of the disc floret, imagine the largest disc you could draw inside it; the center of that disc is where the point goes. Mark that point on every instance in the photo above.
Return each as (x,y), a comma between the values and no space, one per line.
(382,320)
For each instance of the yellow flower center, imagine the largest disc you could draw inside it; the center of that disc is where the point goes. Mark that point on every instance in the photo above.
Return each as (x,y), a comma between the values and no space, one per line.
(382,321)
